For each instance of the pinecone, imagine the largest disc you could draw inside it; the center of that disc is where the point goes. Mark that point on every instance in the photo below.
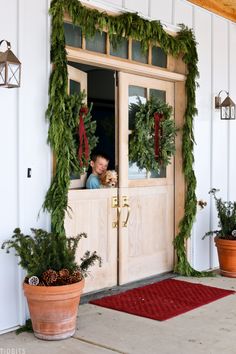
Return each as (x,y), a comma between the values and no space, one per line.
(75,277)
(64,273)
(49,277)
(63,276)
(41,283)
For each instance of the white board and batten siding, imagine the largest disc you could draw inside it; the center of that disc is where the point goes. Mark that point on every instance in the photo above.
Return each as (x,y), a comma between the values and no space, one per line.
(23,137)
(24,129)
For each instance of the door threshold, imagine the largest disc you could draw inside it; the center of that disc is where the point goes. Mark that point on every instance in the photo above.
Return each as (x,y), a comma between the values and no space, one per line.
(94,295)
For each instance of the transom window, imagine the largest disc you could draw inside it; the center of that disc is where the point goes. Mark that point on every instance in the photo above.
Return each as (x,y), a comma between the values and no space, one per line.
(127,49)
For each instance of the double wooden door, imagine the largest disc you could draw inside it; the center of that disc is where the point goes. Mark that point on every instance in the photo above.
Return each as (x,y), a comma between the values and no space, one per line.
(131,226)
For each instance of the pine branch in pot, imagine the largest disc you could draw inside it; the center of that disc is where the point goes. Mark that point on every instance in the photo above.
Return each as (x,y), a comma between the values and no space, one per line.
(54,280)
(225,236)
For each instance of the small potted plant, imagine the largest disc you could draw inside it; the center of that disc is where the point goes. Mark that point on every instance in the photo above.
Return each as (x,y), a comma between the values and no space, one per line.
(54,280)
(225,236)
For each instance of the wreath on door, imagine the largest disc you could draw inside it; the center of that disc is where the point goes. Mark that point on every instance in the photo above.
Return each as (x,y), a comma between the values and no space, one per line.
(153,131)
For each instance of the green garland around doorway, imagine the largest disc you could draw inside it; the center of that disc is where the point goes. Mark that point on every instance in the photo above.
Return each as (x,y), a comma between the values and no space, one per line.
(59,109)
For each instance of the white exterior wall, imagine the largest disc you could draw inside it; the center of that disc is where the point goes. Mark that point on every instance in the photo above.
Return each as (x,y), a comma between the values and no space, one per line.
(23,137)
(24,129)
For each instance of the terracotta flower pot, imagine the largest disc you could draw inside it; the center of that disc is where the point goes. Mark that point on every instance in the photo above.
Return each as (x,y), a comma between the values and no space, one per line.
(227,256)
(53,309)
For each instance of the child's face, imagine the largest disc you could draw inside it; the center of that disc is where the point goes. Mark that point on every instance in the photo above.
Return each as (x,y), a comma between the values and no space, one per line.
(99,166)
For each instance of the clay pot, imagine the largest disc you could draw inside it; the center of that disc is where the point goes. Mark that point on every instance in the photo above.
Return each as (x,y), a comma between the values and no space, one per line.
(53,309)
(227,256)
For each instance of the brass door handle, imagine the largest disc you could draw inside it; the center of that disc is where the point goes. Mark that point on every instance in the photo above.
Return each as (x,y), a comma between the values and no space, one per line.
(116,223)
(116,205)
(126,205)
(125,223)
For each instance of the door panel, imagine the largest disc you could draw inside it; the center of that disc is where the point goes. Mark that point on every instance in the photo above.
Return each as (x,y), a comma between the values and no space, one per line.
(77,80)
(91,211)
(145,245)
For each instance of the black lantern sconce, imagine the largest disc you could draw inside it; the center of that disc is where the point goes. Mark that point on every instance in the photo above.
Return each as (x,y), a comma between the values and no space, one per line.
(10,68)
(227,107)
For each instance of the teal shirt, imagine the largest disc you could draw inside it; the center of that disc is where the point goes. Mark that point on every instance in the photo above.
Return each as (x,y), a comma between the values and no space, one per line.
(93,182)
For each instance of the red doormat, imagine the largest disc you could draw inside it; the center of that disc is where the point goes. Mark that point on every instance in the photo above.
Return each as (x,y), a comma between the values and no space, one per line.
(162,300)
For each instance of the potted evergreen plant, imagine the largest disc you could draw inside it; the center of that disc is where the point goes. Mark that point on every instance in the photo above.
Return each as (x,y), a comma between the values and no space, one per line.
(225,236)
(54,280)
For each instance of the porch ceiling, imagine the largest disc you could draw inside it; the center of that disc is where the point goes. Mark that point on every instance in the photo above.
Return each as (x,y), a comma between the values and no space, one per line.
(225,8)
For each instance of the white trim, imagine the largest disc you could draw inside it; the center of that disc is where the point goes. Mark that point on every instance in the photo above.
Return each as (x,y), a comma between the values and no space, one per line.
(103,5)
(20,297)
(228,125)
(211,138)
(48,72)
(173,11)
(10,329)
(191,241)
(149,8)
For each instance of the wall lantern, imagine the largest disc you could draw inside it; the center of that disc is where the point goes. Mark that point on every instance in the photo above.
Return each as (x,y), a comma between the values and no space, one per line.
(10,68)
(227,107)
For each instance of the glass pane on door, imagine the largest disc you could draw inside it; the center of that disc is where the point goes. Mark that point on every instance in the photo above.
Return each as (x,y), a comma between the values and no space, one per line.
(136,94)
(139,94)
(75,87)
(158,94)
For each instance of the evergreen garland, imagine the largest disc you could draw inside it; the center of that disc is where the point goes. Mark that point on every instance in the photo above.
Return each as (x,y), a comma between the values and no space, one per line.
(63,139)
(141,142)
(148,32)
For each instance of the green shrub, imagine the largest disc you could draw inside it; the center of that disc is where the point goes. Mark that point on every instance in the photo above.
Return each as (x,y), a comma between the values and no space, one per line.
(43,251)
(226,211)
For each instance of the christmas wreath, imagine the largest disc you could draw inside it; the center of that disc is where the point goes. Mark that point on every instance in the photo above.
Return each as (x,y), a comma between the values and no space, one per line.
(152,141)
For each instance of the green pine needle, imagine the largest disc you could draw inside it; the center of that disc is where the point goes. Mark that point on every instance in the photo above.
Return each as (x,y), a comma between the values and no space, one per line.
(27,327)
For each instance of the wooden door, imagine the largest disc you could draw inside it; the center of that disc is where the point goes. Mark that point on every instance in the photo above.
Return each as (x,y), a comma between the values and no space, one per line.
(77,80)
(146,228)
(95,213)
(140,244)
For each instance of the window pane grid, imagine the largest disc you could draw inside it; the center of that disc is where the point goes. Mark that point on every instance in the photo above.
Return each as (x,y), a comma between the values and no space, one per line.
(127,49)
(73,35)
(97,43)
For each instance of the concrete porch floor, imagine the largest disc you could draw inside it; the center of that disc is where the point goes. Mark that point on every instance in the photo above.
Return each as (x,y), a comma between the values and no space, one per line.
(209,329)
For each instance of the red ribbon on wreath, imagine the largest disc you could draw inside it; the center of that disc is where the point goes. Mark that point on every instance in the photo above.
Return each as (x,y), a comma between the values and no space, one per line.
(83,140)
(157,119)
